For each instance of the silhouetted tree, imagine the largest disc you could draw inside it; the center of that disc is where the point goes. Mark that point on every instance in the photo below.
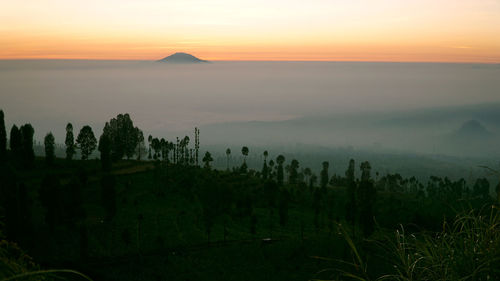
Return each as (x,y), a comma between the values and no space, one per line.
(196,144)
(265,169)
(140,149)
(3,138)
(307,174)
(105,150)
(28,153)
(228,154)
(366,199)
(207,159)
(123,135)
(49,143)
(150,139)
(497,189)
(351,193)
(108,195)
(294,166)
(70,142)
(16,145)
(481,188)
(324,175)
(86,142)
(280,175)
(244,151)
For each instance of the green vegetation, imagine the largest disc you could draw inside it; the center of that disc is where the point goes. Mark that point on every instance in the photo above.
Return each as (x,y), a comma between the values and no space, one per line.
(115,218)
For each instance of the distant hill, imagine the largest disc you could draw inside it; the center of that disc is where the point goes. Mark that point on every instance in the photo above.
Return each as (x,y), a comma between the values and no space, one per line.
(472,129)
(181,58)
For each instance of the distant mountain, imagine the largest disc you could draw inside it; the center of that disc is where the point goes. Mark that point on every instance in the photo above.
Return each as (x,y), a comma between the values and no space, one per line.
(181,58)
(472,129)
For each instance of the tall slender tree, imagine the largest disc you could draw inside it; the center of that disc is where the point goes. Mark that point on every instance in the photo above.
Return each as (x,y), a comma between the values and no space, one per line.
(228,154)
(16,143)
(196,144)
(86,142)
(294,166)
(324,175)
(366,199)
(3,137)
(141,146)
(105,150)
(70,142)
(280,173)
(351,193)
(244,151)
(27,133)
(265,169)
(49,144)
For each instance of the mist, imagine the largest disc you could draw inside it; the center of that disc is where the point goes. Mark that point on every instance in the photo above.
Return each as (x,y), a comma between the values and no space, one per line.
(384,107)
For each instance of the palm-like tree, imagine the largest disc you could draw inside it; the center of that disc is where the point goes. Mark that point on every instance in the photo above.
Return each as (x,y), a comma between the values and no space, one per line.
(264,166)
(244,151)
(228,153)
(280,160)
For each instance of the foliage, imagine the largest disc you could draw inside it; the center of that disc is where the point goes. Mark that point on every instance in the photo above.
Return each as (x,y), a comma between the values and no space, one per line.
(86,142)
(49,144)
(69,142)
(3,137)
(123,135)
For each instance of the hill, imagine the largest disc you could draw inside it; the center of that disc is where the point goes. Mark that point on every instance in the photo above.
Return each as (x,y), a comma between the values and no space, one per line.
(181,58)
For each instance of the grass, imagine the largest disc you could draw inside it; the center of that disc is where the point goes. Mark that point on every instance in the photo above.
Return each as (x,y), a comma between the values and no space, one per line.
(466,249)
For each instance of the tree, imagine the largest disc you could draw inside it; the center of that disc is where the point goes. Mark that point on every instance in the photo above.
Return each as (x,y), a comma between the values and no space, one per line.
(141,146)
(351,193)
(3,137)
(105,150)
(228,154)
(307,174)
(69,142)
(123,135)
(294,166)
(196,145)
(244,151)
(207,159)
(28,153)
(86,142)
(265,169)
(271,168)
(150,139)
(366,199)
(16,145)
(108,195)
(280,160)
(324,175)
(49,143)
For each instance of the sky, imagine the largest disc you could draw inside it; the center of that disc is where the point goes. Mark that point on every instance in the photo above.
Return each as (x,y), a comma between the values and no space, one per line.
(318,30)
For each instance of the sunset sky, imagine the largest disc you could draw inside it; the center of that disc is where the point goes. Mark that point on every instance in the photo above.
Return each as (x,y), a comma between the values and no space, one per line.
(382,30)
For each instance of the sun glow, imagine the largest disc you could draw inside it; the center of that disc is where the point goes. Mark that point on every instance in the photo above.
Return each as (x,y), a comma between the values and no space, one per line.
(387,30)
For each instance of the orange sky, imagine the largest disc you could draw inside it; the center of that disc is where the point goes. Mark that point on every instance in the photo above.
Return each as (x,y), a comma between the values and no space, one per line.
(382,30)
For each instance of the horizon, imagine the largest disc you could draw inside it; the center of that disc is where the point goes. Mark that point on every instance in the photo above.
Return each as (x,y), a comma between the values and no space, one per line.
(256,60)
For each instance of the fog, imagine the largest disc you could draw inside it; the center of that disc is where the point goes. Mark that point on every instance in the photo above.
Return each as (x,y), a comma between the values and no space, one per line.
(416,107)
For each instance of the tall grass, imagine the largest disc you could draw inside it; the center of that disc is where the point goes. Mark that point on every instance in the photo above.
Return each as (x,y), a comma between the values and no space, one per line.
(466,249)
(17,265)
